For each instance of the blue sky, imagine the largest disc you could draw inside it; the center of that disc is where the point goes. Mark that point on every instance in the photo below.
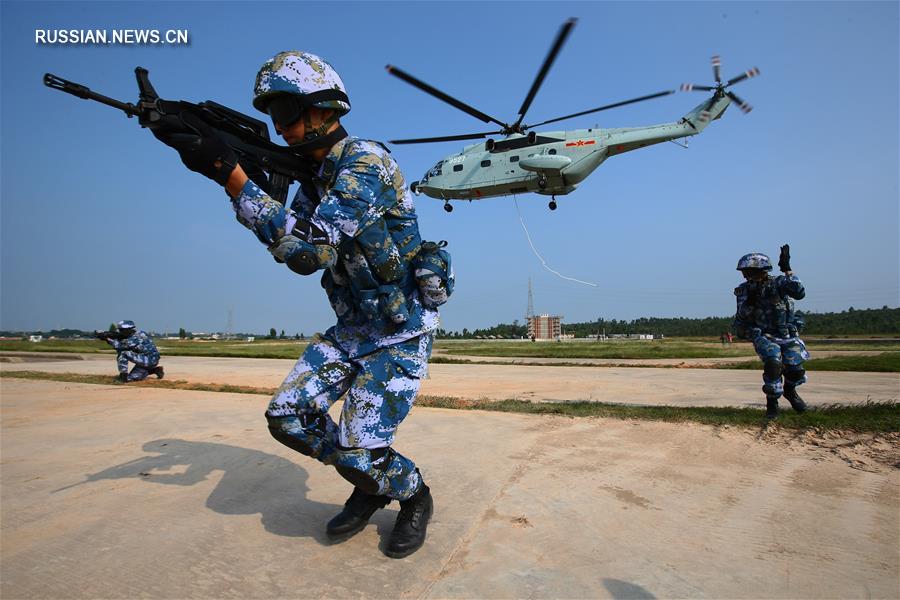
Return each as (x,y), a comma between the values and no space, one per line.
(101,222)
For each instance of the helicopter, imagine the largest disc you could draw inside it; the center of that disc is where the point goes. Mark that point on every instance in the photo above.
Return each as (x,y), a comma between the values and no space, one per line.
(551,163)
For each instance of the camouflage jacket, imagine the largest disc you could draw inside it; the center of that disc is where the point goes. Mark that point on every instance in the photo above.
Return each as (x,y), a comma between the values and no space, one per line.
(359,198)
(768,306)
(138,342)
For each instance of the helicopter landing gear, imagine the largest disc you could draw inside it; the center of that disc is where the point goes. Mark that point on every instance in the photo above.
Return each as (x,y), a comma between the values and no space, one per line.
(552,204)
(447,207)
(542,182)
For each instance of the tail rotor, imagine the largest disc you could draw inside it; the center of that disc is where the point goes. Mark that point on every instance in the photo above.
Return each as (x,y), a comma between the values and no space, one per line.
(720,88)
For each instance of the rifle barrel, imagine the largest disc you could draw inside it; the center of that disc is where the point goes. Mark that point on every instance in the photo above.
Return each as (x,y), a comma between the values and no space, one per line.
(76,89)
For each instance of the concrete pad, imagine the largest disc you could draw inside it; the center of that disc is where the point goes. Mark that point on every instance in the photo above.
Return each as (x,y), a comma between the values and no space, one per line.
(625,385)
(123,492)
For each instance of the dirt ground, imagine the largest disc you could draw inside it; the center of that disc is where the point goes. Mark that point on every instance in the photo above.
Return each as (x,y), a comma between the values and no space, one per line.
(124,492)
(627,385)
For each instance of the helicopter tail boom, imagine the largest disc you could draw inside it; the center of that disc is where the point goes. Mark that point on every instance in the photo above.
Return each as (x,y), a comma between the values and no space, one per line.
(620,141)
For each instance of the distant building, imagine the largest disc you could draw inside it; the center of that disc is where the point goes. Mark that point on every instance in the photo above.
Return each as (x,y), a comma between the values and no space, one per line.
(35,338)
(544,327)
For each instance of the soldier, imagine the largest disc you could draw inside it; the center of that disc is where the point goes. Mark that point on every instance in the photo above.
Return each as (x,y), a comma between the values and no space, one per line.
(353,219)
(133,345)
(765,315)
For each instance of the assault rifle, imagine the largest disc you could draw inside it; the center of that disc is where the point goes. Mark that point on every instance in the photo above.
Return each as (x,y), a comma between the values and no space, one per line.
(109,335)
(248,137)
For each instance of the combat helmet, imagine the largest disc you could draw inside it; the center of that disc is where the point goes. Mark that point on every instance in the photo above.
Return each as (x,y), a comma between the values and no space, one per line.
(754,260)
(125,325)
(302,74)
(289,83)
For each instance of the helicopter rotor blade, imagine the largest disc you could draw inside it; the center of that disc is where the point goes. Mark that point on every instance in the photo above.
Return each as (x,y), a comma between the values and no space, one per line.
(564,32)
(741,104)
(745,75)
(442,96)
(688,87)
(716,65)
(446,138)
(608,106)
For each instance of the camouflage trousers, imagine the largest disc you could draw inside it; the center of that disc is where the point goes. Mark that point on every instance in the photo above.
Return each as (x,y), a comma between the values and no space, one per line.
(378,390)
(143,364)
(791,353)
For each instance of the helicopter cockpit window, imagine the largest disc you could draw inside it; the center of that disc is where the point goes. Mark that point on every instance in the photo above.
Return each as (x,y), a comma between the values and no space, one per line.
(436,169)
(485,163)
(457,167)
(513,159)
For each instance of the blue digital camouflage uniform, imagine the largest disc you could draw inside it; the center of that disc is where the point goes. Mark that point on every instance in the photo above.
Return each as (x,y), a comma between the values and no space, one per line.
(139,349)
(765,315)
(378,351)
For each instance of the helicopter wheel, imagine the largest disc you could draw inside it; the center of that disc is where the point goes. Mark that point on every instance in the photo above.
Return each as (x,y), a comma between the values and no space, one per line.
(552,204)
(447,207)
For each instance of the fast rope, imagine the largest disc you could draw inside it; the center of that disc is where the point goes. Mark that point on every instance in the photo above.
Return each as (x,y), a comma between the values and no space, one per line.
(541,258)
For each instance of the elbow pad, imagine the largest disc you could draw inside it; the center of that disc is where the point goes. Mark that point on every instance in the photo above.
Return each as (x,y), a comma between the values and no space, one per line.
(302,257)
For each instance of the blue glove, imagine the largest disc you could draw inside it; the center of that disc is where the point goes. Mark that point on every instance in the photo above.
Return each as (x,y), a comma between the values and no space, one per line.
(302,257)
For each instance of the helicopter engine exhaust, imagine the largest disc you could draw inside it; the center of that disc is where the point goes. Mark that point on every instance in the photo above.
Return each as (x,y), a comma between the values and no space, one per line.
(489,144)
(414,187)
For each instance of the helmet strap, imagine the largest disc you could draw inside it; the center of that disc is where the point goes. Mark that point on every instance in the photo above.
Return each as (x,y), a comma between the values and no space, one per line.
(318,138)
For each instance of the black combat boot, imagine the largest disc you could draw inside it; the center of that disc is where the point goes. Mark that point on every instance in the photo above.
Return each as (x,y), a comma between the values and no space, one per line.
(123,377)
(158,371)
(771,407)
(409,530)
(358,509)
(794,398)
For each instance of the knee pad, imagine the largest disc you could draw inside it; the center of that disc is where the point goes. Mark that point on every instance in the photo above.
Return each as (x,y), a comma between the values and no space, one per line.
(772,369)
(772,386)
(794,375)
(364,468)
(306,434)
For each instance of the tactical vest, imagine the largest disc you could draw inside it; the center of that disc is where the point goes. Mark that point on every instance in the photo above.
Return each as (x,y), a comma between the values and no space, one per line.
(767,309)
(372,278)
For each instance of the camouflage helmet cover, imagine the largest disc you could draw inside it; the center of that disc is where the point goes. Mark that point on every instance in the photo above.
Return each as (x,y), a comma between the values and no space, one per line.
(754,260)
(301,74)
(125,324)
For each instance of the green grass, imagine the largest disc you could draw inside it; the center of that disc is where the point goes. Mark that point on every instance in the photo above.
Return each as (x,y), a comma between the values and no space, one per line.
(609,349)
(221,348)
(82,346)
(623,350)
(886,362)
(871,416)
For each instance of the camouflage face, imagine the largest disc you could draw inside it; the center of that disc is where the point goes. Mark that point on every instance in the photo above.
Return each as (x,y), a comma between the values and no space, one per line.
(300,74)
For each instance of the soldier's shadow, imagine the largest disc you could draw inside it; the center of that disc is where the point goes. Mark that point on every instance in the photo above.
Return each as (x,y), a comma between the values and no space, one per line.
(252,482)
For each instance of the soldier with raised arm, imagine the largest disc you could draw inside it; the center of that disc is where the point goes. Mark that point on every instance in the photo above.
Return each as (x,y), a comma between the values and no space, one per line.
(765,315)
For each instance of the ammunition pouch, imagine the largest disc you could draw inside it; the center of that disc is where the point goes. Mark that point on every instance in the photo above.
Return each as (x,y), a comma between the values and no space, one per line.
(434,273)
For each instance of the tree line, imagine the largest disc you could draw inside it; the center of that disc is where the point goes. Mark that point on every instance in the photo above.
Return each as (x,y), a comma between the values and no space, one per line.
(871,321)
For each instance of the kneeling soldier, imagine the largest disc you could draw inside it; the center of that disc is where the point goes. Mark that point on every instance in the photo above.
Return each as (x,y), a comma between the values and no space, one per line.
(133,345)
